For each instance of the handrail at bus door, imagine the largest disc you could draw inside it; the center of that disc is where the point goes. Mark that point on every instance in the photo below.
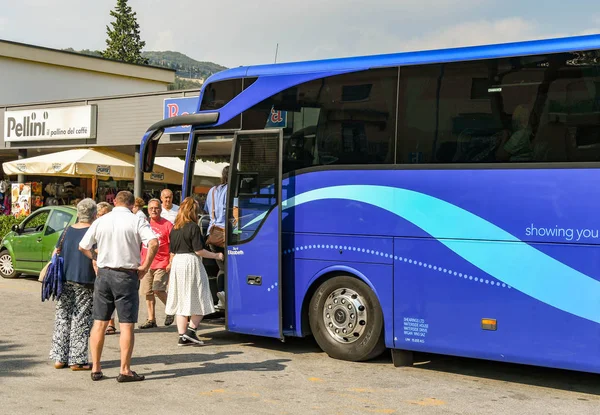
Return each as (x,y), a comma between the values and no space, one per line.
(150,140)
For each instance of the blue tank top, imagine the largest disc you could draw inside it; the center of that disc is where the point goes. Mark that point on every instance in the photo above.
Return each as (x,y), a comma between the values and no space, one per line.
(77,267)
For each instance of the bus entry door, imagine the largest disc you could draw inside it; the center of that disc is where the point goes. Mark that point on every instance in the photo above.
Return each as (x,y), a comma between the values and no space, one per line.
(253,278)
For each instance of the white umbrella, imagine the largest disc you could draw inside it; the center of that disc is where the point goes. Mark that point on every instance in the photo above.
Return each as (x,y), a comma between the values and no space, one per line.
(92,163)
(204,169)
(88,162)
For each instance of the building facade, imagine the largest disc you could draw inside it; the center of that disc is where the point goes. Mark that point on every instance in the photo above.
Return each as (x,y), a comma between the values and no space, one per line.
(34,74)
(51,100)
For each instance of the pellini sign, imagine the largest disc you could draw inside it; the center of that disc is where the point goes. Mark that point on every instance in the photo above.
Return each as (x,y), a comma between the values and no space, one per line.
(174,107)
(62,123)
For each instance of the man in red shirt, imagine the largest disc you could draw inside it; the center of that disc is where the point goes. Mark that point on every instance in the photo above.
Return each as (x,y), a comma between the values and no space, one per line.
(155,282)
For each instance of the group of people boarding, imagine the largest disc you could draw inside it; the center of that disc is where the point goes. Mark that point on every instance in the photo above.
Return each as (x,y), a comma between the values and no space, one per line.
(111,257)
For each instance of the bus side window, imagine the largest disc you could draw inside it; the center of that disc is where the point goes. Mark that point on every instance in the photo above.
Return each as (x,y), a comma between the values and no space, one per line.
(343,119)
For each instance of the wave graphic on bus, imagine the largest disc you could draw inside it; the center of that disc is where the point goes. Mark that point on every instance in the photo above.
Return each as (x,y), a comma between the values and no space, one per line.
(522,266)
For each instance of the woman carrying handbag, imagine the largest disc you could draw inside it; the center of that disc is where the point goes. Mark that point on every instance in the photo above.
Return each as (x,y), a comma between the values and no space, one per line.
(74,307)
(189,291)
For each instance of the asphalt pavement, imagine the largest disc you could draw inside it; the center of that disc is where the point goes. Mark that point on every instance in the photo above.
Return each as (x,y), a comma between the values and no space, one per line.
(237,374)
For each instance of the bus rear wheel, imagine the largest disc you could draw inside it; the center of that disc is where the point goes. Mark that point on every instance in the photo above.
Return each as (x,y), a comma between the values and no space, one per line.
(346,319)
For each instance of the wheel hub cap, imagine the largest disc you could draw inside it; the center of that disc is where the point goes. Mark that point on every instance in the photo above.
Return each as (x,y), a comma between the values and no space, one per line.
(340,316)
(6,264)
(345,315)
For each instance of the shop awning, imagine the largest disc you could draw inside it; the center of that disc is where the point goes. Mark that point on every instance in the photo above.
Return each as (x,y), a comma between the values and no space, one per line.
(91,162)
(202,168)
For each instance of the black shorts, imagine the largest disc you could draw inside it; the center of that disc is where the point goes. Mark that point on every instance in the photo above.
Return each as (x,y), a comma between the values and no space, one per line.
(116,289)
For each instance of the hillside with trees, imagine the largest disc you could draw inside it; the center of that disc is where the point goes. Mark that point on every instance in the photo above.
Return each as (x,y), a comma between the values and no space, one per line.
(189,73)
(185,66)
(124,44)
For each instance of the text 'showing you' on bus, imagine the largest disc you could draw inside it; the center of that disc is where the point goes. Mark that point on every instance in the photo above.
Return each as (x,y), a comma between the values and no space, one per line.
(442,201)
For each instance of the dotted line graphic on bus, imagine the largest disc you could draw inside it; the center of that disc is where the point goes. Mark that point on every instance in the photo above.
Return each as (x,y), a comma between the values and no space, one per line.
(438,268)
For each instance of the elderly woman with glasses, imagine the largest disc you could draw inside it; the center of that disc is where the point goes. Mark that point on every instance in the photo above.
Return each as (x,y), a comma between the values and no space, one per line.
(74,308)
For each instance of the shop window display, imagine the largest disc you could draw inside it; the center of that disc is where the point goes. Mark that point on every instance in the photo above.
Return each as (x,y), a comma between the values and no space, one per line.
(25,198)
(5,205)
(62,193)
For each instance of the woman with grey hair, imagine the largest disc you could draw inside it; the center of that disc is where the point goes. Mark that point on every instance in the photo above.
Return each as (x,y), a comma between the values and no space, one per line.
(74,308)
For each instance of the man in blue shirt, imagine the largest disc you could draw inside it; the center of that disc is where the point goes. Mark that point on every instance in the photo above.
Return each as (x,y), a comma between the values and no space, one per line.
(216,207)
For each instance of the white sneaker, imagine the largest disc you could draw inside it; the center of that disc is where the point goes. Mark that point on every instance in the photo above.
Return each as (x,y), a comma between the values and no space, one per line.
(221,304)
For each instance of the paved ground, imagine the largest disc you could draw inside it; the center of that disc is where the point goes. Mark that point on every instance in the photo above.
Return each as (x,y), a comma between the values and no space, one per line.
(241,374)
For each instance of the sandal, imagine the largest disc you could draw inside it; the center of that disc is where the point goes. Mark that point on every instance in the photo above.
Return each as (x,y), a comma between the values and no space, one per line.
(110,330)
(59,365)
(97,376)
(82,366)
(130,378)
(169,319)
(149,324)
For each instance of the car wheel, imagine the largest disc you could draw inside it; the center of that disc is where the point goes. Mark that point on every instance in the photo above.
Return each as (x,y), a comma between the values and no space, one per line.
(7,269)
(346,319)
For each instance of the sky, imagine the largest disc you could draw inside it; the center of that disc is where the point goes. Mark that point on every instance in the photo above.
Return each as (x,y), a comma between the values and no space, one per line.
(242,32)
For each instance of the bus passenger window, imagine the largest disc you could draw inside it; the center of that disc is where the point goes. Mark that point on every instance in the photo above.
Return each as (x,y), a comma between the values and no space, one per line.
(533,109)
(345,119)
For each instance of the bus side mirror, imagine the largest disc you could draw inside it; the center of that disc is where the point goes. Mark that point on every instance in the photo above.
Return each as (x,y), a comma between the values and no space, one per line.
(150,141)
(149,147)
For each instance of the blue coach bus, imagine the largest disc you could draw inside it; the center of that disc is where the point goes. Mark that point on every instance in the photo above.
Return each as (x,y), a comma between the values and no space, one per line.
(442,201)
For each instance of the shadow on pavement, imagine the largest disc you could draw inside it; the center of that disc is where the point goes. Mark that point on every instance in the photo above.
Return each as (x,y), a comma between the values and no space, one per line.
(14,365)
(500,371)
(274,365)
(510,372)
(172,359)
(293,345)
(160,329)
(207,366)
(33,278)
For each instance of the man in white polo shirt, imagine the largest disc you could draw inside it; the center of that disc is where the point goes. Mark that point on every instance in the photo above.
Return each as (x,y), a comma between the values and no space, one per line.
(118,236)
(169,210)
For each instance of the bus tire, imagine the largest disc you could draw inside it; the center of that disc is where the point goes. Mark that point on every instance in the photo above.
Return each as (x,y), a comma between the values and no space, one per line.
(346,319)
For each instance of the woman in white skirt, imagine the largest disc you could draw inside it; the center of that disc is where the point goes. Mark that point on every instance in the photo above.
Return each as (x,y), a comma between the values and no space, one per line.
(189,293)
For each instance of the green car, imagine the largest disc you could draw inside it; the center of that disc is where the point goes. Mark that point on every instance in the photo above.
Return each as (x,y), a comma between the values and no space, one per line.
(28,247)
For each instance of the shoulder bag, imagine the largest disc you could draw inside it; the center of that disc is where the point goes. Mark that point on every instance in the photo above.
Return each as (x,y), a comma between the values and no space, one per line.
(54,278)
(216,234)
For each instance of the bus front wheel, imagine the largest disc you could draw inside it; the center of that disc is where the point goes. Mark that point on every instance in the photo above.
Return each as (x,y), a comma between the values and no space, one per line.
(346,319)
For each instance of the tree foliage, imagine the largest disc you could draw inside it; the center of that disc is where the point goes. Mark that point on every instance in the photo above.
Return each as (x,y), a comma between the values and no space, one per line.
(7,222)
(124,42)
(181,83)
(185,66)
(97,53)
